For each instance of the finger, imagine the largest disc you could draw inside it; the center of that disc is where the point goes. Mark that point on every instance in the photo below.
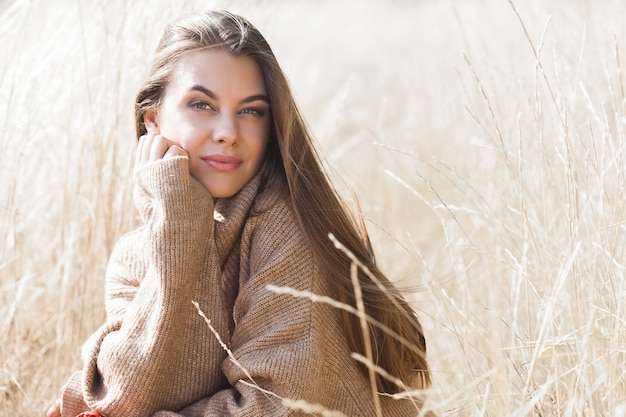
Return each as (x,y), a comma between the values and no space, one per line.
(142,152)
(54,410)
(139,152)
(147,146)
(158,148)
(175,150)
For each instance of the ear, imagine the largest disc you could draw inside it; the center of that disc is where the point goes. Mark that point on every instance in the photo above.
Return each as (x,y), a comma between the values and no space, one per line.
(151,120)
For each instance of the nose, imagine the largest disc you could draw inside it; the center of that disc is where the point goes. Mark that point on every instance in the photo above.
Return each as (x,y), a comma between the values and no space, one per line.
(225,131)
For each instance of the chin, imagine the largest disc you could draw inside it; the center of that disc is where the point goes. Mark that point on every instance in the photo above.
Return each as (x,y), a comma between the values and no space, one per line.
(217,192)
(222,188)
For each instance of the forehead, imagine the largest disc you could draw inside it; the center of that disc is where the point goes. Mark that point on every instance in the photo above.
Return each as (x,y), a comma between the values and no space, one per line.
(220,72)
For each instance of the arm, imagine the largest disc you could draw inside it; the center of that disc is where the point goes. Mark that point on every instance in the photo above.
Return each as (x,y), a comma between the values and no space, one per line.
(130,360)
(136,355)
(121,284)
(273,339)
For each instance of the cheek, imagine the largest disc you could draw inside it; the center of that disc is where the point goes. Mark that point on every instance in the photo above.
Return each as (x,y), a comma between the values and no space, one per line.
(261,152)
(176,125)
(258,136)
(181,132)
(166,124)
(261,144)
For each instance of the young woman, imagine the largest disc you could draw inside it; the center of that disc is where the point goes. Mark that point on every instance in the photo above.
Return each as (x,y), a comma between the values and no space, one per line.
(237,213)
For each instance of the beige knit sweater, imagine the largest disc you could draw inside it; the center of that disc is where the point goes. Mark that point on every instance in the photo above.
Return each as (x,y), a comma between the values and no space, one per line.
(155,356)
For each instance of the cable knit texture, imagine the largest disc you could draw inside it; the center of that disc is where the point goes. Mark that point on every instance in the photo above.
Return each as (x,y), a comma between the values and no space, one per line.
(155,356)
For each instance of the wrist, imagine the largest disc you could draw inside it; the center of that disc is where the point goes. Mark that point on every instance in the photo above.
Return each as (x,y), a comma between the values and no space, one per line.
(166,185)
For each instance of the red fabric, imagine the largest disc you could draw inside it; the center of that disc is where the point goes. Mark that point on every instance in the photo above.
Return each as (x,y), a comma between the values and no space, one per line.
(93,413)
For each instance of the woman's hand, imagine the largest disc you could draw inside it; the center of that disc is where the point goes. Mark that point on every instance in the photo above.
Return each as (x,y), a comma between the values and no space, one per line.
(153,147)
(55,409)
(164,184)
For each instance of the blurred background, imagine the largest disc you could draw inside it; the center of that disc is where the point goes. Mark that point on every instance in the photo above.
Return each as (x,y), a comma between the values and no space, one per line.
(484,139)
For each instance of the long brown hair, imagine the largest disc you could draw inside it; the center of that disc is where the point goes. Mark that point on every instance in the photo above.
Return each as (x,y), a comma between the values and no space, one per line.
(293,166)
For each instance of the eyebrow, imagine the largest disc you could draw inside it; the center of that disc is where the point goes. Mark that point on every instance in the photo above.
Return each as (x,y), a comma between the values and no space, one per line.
(211,94)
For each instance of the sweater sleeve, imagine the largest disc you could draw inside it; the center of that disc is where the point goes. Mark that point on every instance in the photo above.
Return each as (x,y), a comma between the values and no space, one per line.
(273,341)
(154,273)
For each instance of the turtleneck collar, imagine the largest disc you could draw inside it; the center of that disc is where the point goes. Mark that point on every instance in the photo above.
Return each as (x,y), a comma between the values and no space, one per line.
(230,216)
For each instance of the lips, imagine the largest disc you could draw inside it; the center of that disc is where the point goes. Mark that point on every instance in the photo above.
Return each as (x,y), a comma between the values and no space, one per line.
(221,162)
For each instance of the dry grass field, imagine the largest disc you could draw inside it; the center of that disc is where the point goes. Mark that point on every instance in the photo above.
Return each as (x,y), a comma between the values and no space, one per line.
(485,139)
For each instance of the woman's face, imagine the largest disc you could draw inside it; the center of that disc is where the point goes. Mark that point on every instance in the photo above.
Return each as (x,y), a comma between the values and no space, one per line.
(217,109)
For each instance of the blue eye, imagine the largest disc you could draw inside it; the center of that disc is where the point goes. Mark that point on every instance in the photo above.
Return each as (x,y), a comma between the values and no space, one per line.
(201,105)
(252,111)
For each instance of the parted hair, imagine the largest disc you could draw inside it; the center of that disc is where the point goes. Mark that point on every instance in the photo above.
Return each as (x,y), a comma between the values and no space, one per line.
(293,166)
